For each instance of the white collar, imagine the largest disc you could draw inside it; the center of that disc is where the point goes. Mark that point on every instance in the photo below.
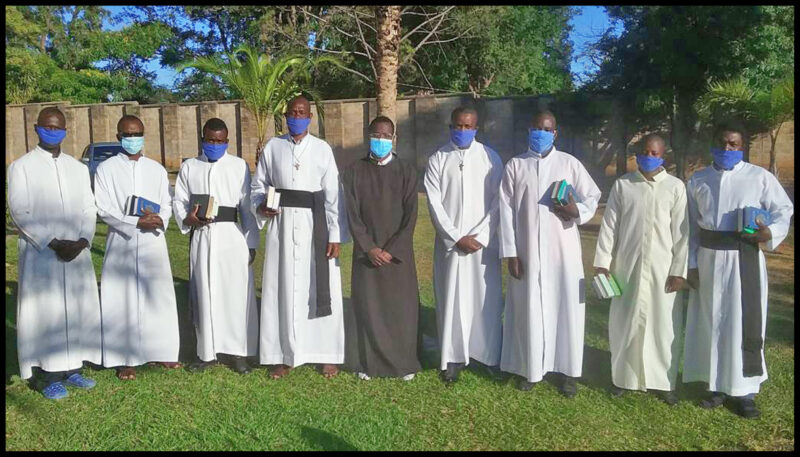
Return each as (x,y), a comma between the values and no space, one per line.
(384,161)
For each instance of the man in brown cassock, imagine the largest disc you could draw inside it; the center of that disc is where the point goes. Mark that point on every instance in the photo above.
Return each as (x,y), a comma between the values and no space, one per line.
(381,335)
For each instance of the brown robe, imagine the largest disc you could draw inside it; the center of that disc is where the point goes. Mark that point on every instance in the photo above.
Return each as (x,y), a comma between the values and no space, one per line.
(381,320)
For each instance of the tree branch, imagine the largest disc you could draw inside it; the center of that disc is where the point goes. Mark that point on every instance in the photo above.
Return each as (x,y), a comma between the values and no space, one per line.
(424,40)
(439,15)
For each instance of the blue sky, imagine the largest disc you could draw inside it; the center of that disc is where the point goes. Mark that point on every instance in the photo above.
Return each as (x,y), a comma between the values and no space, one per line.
(588,24)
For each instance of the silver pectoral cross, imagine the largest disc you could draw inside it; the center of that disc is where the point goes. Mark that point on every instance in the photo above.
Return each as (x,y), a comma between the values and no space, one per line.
(296,166)
(461,166)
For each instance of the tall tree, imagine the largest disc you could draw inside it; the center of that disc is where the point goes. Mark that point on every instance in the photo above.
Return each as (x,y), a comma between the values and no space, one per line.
(63,53)
(667,54)
(388,47)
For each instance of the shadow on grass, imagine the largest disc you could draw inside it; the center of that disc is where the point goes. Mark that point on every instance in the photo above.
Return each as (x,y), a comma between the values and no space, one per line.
(596,370)
(188,346)
(12,359)
(324,441)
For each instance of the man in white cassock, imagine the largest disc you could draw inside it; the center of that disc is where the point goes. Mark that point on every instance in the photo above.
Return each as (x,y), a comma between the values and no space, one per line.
(545,298)
(137,296)
(462,182)
(58,311)
(645,234)
(301,297)
(221,250)
(727,313)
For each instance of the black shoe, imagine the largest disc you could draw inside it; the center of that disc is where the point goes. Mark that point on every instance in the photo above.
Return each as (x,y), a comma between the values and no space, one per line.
(568,388)
(667,396)
(196,367)
(746,408)
(451,374)
(494,372)
(616,392)
(714,400)
(239,365)
(524,385)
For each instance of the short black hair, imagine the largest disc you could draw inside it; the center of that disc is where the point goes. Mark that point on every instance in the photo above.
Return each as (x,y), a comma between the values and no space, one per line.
(654,137)
(545,113)
(128,117)
(50,110)
(730,125)
(381,119)
(215,124)
(463,110)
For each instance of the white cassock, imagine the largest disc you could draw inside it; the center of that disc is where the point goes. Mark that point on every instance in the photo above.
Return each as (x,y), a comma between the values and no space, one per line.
(713,349)
(290,334)
(645,230)
(544,313)
(221,281)
(137,295)
(469,296)
(58,308)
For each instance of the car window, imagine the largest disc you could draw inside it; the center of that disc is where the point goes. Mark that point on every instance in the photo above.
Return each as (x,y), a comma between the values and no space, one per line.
(103,152)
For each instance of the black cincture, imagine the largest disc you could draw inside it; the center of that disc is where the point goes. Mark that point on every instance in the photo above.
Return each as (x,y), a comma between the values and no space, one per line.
(750,279)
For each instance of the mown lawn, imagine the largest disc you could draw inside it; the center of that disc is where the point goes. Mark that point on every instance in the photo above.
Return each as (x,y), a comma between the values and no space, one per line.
(220,410)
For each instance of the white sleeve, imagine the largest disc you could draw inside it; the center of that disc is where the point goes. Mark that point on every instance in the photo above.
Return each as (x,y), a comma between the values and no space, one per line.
(679,224)
(694,229)
(32,228)
(780,208)
(249,224)
(107,207)
(508,240)
(603,254)
(488,225)
(331,188)
(588,192)
(89,215)
(259,186)
(166,201)
(441,221)
(180,201)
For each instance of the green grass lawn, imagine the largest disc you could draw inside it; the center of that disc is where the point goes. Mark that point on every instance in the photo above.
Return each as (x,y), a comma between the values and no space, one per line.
(221,410)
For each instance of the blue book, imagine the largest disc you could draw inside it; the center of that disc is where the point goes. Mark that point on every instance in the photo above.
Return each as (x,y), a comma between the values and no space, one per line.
(747,218)
(138,205)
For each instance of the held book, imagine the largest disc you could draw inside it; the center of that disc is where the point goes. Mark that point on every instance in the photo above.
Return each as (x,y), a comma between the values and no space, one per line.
(208,207)
(136,206)
(561,192)
(273,200)
(747,217)
(605,286)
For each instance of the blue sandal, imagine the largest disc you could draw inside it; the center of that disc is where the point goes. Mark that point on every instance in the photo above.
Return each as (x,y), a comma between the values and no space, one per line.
(79,381)
(55,391)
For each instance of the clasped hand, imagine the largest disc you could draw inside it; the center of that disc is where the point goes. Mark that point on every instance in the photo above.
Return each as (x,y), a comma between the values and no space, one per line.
(468,244)
(379,257)
(568,211)
(150,221)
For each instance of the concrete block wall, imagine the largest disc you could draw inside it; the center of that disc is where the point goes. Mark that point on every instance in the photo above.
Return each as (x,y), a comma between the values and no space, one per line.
(173,131)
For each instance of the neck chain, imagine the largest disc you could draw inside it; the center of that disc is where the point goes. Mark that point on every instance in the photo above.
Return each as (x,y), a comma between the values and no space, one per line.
(296,158)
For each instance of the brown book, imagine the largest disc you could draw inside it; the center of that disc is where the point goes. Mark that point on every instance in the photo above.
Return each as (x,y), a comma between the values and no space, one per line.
(208,207)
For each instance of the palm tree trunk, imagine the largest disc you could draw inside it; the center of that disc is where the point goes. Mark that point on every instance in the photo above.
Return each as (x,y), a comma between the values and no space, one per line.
(773,154)
(388,21)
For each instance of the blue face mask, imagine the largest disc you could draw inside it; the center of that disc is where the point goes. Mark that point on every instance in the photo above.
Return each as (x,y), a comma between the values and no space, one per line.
(462,138)
(380,147)
(648,163)
(214,151)
(50,137)
(540,141)
(297,125)
(726,159)
(132,145)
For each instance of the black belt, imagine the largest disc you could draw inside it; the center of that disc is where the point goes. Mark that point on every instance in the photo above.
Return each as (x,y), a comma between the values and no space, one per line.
(316,202)
(226,214)
(750,279)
